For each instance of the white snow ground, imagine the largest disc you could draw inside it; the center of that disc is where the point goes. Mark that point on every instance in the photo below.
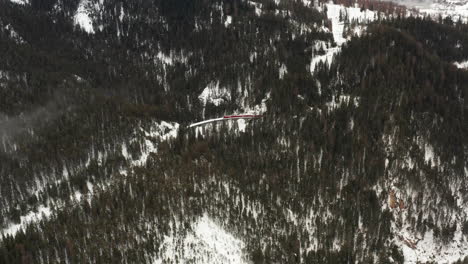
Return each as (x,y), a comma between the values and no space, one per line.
(14,35)
(228,21)
(257,6)
(214,94)
(461,65)
(415,249)
(338,101)
(217,95)
(42,213)
(333,13)
(205,243)
(428,249)
(20,2)
(456,9)
(82,17)
(160,131)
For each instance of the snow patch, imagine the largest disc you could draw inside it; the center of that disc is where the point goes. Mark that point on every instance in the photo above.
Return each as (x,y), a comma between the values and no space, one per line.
(82,17)
(326,58)
(214,94)
(429,153)
(282,71)
(228,21)
(337,102)
(42,213)
(166,59)
(417,247)
(456,9)
(122,14)
(171,58)
(339,15)
(159,131)
(20,2)
(308,3)
(427,249)
(461,65)
(14,35)
(204,243)
(257,6)
(334,12)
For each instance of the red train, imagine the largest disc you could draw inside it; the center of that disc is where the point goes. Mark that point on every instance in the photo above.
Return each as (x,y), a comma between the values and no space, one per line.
(241,116)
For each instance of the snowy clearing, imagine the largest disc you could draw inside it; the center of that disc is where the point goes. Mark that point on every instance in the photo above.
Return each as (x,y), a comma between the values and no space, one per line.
(339,16)
(161,131)
(417,248)
(326,59)
(257,6)
(20,2)
(461,65)
(82,18)
(42,213)
(14,35)
(228,21)
(456,9)
(214,94)
(204,243)
(427,249)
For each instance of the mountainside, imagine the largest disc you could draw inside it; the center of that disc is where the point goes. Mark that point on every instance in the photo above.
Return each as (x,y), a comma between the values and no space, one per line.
(359,156)
(455,9)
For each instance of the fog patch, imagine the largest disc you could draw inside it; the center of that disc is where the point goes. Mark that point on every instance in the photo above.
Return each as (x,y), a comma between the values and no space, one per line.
(26,123)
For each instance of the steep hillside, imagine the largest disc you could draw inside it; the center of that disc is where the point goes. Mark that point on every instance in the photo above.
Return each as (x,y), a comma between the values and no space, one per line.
(360,156)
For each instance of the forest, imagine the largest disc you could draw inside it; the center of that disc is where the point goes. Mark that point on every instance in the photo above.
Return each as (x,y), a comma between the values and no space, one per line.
(307,183)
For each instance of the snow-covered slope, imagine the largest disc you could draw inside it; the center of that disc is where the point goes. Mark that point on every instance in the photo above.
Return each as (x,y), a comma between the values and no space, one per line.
(426,247)
(20,2)
(340,17)
(204,243)
(82,16)
(42,213)
(418,248)
(295,218)
(457,9)
(214,94)
(13,34)
(461,65)
(157,132)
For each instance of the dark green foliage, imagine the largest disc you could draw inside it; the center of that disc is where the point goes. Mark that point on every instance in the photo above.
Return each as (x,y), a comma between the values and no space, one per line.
(299,185)
(448,40)
(465,228)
